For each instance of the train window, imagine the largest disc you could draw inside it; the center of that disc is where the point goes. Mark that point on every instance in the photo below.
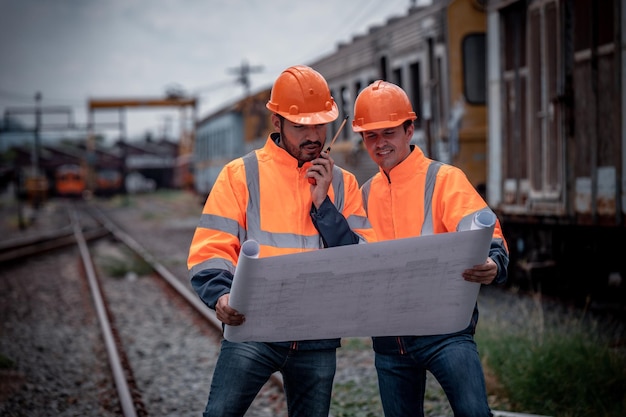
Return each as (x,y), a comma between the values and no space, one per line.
(383,68)
(583,34)
(357,88)
(605,15)
(474,68)
(345,104)
(585,12)
(514,42)
(416,91)
(397,76)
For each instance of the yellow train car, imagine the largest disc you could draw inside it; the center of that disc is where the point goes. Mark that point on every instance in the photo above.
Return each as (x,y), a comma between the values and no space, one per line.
(466,26)
(437,54)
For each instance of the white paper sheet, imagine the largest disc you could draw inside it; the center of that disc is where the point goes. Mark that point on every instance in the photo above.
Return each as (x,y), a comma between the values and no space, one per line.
(399,287)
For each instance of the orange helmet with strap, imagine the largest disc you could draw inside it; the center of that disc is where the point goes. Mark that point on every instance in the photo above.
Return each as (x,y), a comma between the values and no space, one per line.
(301,95)
(381,105)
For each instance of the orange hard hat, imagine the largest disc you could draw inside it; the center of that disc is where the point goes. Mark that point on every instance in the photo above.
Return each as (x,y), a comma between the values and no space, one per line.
(301,95)
(380,105)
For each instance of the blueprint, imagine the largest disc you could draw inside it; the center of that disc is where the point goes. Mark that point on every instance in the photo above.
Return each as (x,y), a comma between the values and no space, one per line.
(407,286)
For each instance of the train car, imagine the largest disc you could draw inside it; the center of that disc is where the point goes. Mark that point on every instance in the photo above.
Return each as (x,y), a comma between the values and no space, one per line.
(436,53)
(69,180)
(218,140)
(226,135)
(557,147)
(527,98)
(108,182)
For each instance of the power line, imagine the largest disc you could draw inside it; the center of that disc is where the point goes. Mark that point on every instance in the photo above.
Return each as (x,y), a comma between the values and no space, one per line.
(353,23)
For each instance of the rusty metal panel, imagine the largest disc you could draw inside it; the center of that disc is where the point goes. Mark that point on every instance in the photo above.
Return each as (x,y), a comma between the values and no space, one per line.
(515,147)
(515,187)
(607,191)
(604,203)
(552,145)
(608,90)
(545,134)
(584,120)
(568,163)
(535,105)
(597,144)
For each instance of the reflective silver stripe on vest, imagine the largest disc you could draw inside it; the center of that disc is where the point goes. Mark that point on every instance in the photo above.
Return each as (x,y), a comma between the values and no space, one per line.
(338,187)
(214,263)
(221,223)
(365,193)
(253,211)
(429,189)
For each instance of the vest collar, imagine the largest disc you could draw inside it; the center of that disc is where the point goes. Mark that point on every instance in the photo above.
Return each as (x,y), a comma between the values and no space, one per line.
(279,154)
(407,168)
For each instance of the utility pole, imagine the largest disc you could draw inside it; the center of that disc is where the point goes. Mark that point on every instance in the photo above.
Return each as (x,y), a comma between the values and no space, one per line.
(37,145)
(36,181)
(243,74)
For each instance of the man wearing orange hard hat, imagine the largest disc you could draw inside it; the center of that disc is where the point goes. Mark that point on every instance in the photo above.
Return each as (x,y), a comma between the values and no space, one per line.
(289,197)
(411,196)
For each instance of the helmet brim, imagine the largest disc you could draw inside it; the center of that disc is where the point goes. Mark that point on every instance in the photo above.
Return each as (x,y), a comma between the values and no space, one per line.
(379,125)
(317,118)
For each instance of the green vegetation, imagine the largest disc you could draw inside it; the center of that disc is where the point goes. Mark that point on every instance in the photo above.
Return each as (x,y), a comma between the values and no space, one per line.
(118,265)
(168,194)
(122,200)
(358,395)
(6,363)
(352,399)
(559,364)
(546,361)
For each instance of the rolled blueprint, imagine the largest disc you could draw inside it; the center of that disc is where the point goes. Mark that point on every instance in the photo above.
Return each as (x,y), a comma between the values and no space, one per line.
(483,219)
(329,293)
(249,250)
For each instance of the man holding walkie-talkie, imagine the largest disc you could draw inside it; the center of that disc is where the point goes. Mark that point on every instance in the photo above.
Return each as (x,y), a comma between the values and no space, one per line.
(289,197)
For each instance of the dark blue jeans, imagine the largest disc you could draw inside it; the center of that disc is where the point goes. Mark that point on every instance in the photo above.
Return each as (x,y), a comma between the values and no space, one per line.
(454,361)
(243,368)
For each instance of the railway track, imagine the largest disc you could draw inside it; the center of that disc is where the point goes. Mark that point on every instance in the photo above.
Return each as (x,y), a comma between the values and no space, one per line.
(49,321)
(138,319)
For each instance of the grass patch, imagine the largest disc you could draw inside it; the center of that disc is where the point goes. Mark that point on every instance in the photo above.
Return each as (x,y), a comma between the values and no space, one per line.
(353,399)
(6,363)
(356,343)
(150,215)
(168,194)
(122,200)
(559,364)
(119,266)
(355,393)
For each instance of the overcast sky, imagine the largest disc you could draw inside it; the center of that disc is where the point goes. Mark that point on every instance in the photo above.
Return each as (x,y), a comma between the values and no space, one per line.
(75,50)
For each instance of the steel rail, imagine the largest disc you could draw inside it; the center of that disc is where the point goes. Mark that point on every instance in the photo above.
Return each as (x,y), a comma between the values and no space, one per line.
(170,278)
(126,399)
(19,242)
(35,247)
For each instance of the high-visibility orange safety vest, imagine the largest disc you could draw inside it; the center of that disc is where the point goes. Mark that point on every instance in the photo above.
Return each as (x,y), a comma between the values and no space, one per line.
(265,196)
(424,197)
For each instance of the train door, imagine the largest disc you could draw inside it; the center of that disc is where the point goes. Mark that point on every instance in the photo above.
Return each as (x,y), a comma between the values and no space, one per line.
(596,121)
(514,76)
(545,136)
